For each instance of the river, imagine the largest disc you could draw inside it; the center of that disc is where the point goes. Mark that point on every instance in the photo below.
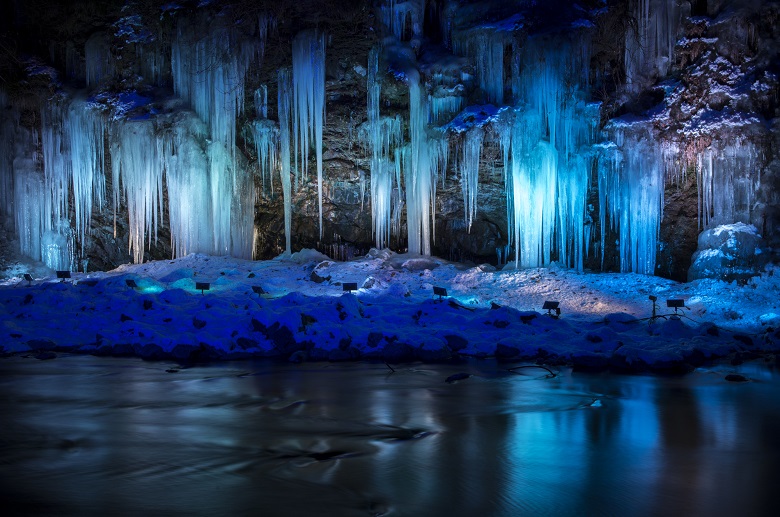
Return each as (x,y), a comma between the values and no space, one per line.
(84,435)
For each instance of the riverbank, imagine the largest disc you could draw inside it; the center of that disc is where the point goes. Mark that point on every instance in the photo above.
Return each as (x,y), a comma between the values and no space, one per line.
(296,309)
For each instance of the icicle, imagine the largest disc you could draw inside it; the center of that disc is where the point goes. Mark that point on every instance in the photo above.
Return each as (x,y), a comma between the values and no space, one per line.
(98,60)
(727,187)
(469,172)
(266,136)
(135,159)
(86,131)
(186,176)
(631,189)
(309,105)
(547,151)
(486,46)
(649,48)
(382,135)
(285,114)
(261,101)
(403,18)
(7,153)
(417,173)
(444,105)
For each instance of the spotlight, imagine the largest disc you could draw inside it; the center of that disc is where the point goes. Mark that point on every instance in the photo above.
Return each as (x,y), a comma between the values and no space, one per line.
(654,299)
(676,304)
(440,292)
(131,283)
(550,307)
(348,287)
(202,286)
(63,275)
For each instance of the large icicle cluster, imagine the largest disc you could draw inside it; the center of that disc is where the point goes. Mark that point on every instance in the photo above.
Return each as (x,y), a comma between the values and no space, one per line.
(547,148)
(631,189)
(72,134)
(727,184)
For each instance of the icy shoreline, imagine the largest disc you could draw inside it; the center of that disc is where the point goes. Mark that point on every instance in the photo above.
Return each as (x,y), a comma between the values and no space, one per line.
(303,314)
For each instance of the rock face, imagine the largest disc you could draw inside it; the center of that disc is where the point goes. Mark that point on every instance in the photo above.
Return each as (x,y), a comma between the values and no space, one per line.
(711,109)
(729,252)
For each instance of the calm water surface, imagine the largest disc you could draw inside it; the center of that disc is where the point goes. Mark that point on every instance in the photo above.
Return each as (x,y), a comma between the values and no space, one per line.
(102,436)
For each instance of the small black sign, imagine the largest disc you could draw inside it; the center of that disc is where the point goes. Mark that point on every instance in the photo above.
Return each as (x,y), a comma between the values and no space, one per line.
(675,303)
(63,274)
(202,286)
(439,291)
(349,286)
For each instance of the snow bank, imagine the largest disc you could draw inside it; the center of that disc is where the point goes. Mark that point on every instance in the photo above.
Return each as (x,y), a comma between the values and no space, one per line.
(294,308)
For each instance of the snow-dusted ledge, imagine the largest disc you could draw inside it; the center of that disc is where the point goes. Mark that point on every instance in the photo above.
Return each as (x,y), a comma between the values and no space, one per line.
(303,313)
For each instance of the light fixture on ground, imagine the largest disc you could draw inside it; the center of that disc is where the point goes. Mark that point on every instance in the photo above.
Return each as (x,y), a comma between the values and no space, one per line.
(552,307)
(202,287)
(677,304)
(349,286)
(654,299)
(440,292)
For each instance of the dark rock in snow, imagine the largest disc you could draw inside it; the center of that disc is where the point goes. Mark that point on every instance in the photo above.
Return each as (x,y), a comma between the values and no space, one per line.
(456,342)
(183,352)
(150,352)
(398,353)
(735,377)
(506,351)
(198,324)
(317,279)
(374,338)
(45,354)
(41,344)
(349,354)
(245,343)
(589,362)
(746,340)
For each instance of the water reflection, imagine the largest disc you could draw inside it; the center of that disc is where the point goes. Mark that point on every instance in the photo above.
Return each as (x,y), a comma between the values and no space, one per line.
(91,436)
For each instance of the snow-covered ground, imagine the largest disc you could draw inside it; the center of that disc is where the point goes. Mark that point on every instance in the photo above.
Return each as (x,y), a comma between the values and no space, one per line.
(303,313)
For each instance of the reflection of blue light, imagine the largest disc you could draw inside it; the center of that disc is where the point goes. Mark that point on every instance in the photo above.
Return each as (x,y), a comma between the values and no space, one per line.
(150,289)
(471,301)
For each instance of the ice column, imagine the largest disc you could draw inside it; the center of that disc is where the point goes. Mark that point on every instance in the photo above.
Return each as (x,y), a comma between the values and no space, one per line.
(85,128)
(383,135)
(186,176)
(631,189)
(135,158)
(308,79)
(469,172)
(285,114)
(417,173)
